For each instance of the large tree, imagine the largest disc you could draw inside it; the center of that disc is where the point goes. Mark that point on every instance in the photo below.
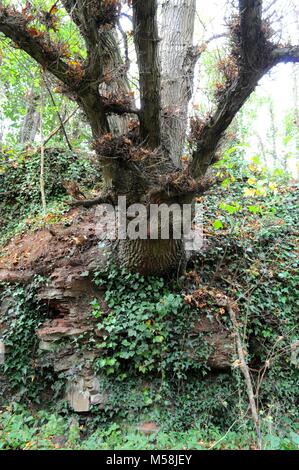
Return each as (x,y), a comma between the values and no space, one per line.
(140,149)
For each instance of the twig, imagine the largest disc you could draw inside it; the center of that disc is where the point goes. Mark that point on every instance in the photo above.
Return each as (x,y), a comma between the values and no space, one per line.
(216,36)
(245,371)
(58,114)
(224,436)
(57,129)
(272,356)
(42,157)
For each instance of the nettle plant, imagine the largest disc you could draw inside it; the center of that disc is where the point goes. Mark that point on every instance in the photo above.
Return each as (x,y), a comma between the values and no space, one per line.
(145,327)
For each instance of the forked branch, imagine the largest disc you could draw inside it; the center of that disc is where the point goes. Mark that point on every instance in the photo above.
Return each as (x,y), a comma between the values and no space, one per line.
(254,55)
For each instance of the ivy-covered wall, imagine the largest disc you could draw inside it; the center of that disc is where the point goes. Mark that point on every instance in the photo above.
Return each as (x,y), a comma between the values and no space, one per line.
(114,346)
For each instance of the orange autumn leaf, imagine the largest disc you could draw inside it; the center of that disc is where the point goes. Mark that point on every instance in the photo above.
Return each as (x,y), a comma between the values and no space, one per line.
(53,9)
(35,33)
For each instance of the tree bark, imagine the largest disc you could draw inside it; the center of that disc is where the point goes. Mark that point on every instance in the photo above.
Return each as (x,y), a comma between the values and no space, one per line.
(31,120)
(147,45)
(115,84)
(178,59)
(152,257)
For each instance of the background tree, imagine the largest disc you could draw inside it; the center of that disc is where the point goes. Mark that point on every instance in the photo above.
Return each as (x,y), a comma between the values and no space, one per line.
(140,149)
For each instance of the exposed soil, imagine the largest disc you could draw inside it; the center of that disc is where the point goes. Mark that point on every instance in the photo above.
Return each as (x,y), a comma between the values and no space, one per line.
(71,243)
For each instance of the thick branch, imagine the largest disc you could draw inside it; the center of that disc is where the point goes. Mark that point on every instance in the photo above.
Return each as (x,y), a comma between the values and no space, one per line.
(44,52)
(214,128)
(285,54)
(90,101)
(114,108)
(146,43)
(255,55)
(14,26)
(251,31)
(84,14)
(115,84)
(105,70)
(88,16)
(91,202)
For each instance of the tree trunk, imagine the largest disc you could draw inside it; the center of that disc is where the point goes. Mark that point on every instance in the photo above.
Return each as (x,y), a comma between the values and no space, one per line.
(152,257)
(31,120)
(137,182)
(143,162)
(178,59)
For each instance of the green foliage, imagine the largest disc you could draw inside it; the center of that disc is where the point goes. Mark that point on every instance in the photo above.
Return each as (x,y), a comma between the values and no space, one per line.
(21,429)
(21,78)
(143,332)
(20,201)
(253,259)
(213,401)
(24,315)
(145,327)
(250,192)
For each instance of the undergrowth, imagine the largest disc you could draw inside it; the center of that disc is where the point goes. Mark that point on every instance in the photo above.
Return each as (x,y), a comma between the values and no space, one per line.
(27,381)
(20,199)
(146,328)
(144,363)
(21,429)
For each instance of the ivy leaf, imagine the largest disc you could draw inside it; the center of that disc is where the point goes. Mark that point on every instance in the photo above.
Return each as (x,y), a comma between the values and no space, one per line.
(158,339)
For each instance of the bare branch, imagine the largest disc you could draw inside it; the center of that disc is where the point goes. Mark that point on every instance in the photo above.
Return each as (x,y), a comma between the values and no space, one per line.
(105,71)
(147,45)
(245,371)
(58,128)
(57,112)
(91,202)
(285,54)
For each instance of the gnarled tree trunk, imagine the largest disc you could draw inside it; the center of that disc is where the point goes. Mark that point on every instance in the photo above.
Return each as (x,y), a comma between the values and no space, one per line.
(139,150)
